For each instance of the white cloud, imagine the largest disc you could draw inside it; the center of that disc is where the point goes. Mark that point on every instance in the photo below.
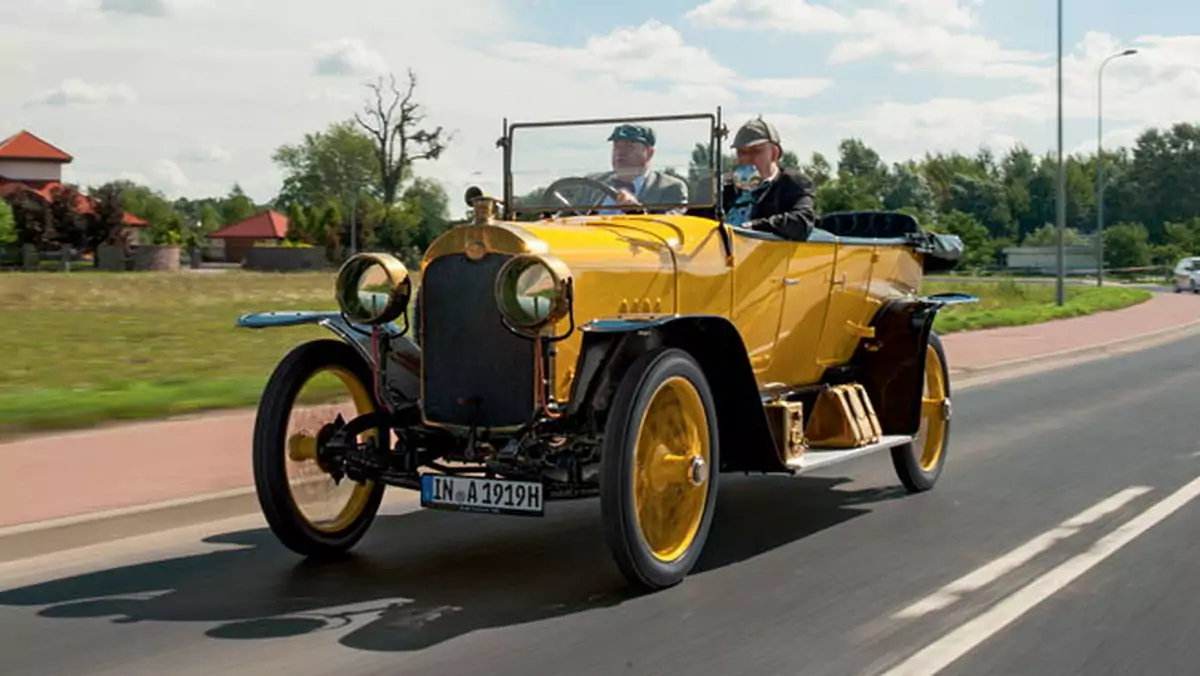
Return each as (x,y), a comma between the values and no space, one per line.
(652,51)
(797,16)
(948,13)
(927,46)
(347,57)
(74,92)
(787,87)
(918,34)
(166,171)
(205,154)
(136,7)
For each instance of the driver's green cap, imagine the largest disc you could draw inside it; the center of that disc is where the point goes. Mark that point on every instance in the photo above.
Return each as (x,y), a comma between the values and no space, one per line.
(633,132)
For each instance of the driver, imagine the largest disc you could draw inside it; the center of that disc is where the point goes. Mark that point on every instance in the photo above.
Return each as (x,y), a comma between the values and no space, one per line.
(632,151)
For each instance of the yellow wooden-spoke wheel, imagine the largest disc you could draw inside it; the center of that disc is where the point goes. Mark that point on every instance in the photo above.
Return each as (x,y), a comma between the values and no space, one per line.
(671,463)
(326,505)
(305,508)
(919,464)
(935,408)
(659,468)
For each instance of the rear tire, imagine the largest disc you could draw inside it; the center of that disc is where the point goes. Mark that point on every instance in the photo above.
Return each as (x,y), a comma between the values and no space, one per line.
(271,451)
(919,463)
(659,469)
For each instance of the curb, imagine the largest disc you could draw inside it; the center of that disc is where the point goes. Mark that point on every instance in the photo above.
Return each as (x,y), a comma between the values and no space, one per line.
(1139,341)
(43,537)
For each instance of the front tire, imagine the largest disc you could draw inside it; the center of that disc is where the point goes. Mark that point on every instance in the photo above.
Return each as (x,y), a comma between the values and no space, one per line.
(659,469)
(276,451)
(919,463)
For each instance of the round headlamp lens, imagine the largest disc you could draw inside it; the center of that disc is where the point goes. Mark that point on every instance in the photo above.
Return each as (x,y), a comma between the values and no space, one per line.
(530,292)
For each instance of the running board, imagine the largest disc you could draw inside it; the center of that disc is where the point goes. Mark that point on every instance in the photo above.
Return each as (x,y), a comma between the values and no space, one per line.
(816,458)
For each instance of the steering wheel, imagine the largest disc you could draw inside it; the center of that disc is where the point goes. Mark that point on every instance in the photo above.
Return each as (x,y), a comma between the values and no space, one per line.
(604,188)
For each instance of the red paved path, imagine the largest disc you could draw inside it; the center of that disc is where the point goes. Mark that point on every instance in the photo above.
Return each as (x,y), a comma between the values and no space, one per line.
(82,472)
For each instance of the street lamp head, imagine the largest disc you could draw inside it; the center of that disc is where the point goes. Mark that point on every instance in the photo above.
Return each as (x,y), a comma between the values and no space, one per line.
(1129,52)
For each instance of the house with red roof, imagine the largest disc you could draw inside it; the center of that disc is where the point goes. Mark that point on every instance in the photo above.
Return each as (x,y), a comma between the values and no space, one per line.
(29,164)
(267,226)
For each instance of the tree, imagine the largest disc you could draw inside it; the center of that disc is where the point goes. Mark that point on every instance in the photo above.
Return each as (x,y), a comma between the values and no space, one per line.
(1126,245)
(70,226)
(398,143)
(428,199)
(110,216)
(817,169)
(8,227)
(907,187)
(32,220)
(235,207)
(1047,235)
(979,250)
(328,165)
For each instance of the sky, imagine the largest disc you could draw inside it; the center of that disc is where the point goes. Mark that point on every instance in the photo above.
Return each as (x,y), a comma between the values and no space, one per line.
(191,96)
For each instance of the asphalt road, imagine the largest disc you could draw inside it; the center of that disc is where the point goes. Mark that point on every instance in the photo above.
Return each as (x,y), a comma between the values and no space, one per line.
(1056,543)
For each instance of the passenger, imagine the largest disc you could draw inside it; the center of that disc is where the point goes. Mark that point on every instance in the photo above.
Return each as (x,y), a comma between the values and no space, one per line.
(762,196)
(632,152)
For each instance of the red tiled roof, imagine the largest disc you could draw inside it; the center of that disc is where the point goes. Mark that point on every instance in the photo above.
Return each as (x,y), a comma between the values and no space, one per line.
(25,146)
(266,225)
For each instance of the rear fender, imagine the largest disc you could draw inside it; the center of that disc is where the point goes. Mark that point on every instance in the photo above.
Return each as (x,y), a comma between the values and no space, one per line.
(403,356)
(891,366)
(610,346)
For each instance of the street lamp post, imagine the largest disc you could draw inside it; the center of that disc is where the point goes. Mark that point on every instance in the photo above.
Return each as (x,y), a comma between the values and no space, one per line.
(1060,290)
(1100,164)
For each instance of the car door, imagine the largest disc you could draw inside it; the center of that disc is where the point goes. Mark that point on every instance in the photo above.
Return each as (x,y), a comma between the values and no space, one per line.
(760,265)
(849,308)
(806,292)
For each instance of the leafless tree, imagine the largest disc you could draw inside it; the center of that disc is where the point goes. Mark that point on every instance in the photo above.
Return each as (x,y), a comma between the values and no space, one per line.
(392,120)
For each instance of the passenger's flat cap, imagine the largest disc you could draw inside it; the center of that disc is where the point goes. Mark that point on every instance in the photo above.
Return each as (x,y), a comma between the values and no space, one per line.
(754,132)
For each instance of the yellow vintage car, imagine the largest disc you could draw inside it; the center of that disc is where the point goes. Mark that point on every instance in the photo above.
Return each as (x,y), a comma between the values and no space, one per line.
(563,346)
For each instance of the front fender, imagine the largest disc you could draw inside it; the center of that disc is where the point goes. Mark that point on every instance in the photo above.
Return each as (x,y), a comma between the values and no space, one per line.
(403,357)
(609,346)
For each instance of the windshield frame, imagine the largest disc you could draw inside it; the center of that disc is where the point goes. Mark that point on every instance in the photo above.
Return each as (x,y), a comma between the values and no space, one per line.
(717,132)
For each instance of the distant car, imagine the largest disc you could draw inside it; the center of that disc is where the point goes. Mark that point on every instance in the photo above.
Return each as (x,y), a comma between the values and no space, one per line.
(558,351)
(1187,275)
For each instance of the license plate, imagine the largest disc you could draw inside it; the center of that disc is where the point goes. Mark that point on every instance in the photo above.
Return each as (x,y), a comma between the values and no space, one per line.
(472,494)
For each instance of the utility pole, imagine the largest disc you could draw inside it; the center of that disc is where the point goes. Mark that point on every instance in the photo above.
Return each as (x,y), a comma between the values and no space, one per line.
(1100,165)
(1060,290)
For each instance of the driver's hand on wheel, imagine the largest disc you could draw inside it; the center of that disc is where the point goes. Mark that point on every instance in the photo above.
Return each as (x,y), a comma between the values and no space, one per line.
(626,198)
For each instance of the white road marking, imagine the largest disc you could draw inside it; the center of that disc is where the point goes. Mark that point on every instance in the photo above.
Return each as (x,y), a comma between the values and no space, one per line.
(941,653)
(997,568)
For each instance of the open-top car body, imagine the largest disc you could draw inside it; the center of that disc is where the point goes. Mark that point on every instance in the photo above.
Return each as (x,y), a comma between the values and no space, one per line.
(560,347)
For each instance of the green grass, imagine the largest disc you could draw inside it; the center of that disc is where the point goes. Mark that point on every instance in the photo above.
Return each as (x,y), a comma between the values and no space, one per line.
(82,349)
(1007,303)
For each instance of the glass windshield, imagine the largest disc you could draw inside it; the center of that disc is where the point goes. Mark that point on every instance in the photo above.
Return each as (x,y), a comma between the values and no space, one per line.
(659,165)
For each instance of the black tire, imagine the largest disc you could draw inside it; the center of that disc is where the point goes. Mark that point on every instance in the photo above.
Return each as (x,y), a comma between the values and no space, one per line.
(270,456)
(906,458)
(626,542)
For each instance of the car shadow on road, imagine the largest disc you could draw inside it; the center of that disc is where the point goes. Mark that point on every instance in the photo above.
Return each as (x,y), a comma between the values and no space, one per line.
(425,577)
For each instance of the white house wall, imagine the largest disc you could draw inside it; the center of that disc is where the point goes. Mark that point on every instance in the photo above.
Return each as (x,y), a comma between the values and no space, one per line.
(17,170)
